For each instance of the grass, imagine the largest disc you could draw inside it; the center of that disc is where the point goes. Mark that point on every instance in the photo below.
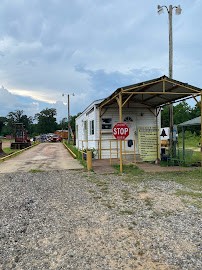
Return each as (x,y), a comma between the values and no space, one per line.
(8,150)
(189,179)
(77,153)
(191,139)
(192,194)
(192,197)
(35,170)
(126,212)
(130,169)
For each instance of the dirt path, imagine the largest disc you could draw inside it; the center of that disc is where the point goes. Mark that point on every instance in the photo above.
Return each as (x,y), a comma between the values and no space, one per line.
(44,157)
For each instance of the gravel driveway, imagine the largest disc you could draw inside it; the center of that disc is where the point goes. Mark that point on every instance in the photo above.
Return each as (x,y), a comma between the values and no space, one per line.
(82,221)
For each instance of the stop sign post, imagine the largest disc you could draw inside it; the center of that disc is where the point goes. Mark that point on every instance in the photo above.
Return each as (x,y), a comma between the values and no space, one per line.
(120,131)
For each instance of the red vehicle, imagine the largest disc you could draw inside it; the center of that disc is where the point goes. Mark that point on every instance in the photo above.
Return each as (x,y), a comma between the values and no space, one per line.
(56,138)
(21,137)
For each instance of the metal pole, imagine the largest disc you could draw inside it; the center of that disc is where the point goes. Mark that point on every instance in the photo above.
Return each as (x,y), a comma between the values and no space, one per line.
(68,119)
(170,13)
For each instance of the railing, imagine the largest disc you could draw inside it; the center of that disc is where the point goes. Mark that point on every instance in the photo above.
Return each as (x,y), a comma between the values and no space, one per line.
(110,145)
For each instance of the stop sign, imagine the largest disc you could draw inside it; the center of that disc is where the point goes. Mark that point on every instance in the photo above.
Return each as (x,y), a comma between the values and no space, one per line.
(120,131)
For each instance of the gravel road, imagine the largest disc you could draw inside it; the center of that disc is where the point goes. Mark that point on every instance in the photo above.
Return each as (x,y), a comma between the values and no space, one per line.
(82,221)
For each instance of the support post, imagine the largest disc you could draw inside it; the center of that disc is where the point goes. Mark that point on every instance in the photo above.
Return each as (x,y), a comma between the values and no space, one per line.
(120,120)
(68,119)
(183,144)
(201,129)
(89,160)
(100,135)
(170,15)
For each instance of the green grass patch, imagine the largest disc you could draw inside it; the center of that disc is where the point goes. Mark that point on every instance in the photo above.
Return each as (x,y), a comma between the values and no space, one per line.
(35,170)
(190,179)
(8,150)
(129,169)
(77,153)
(126,212)
(192,194)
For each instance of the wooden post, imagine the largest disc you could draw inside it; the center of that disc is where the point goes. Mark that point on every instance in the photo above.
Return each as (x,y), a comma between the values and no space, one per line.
(100,137)
(201,129)
(110,143)
(89,160)
(120,120)
(82,149)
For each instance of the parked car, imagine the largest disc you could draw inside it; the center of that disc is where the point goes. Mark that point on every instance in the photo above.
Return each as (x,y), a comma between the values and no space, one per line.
(56,138)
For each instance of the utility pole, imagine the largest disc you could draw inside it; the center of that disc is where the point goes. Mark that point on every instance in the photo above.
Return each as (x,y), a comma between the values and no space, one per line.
(178,11)
(69,129)
(68,115)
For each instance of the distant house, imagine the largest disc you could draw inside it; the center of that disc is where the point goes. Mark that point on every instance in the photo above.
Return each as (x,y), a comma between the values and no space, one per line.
(139,106)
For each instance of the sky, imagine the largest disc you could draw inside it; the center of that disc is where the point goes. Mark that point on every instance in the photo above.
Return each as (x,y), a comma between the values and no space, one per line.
(91,48)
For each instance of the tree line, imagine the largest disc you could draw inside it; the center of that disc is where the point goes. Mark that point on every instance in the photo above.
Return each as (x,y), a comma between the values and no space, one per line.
(45,121)
(42,123)
(182,112)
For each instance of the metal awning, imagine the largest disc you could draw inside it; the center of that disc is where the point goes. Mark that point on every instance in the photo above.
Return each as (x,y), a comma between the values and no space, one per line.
(154,93)
(193,122)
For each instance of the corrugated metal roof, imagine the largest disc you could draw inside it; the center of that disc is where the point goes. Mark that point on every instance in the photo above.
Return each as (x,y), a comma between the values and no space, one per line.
(192,122)
(154,93)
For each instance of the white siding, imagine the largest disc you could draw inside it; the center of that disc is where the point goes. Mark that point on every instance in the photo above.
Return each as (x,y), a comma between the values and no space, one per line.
(141,116)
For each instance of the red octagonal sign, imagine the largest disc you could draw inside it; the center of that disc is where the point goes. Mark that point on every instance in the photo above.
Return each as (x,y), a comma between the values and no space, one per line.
(120,131)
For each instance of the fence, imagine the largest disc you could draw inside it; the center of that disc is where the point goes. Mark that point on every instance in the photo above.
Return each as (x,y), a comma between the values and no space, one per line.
(108,149)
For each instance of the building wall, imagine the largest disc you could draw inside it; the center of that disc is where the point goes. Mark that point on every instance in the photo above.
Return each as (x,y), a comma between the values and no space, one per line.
(140,121)
(83,129)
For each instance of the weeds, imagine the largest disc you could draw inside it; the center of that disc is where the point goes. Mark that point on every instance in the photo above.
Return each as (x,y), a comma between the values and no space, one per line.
(35,170)
(126,212)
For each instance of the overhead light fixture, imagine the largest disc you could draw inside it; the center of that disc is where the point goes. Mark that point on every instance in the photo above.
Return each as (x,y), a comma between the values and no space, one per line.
(178,10)
(160,9)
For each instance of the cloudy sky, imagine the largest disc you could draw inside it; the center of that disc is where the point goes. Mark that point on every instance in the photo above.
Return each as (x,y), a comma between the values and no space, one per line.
(90,48)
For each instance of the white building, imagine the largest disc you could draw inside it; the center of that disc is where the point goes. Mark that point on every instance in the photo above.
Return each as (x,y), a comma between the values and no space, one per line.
(139,106)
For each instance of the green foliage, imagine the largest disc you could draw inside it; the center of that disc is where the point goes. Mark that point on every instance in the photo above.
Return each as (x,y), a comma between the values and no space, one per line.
(191,139)
(8,150)
(3,122)
(129,169)
(181,112)
(16,117)
(64,123)
(77,153)
(46,121)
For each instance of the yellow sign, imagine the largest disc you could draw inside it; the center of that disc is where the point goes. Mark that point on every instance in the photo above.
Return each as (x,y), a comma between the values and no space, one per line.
(148,148)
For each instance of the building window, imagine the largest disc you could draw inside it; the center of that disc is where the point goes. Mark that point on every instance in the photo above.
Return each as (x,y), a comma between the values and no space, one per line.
(85,126)
(128,119)
(77,131)
(106,123)
(92,130)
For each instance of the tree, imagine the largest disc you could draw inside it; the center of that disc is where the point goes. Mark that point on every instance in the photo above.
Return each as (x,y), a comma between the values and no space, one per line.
(64,123)
(18,117)
(46,120)
(182,112)
(196,111)
(3,122)
(73,121)
(165,117)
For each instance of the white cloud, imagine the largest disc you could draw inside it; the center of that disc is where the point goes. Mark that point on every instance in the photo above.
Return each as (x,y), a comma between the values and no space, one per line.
(90,47)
